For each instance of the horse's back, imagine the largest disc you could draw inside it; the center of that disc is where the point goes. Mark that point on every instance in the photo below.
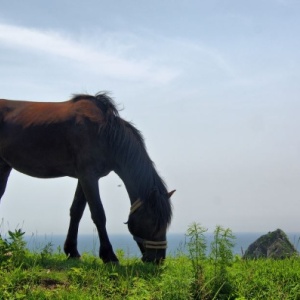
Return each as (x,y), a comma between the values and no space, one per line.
(29,113)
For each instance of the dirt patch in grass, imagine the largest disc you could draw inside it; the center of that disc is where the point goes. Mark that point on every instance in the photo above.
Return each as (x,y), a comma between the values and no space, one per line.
(50,284)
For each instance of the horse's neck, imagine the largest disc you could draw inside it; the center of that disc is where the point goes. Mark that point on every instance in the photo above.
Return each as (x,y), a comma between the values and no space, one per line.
(136,186)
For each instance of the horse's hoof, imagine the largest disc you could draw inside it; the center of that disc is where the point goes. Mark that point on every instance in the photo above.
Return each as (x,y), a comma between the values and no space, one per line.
(76,256)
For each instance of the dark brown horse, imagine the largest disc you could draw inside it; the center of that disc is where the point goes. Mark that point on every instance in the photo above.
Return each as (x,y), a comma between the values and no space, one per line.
(85,138)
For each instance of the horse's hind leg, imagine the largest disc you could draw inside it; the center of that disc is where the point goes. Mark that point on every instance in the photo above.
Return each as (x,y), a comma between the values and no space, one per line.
(76,213)
(4,174)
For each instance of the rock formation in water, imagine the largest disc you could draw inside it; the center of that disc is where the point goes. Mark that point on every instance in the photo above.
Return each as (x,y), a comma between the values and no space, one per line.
(271,245)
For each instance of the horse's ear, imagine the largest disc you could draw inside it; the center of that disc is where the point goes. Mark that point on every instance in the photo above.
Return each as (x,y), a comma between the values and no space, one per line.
(171,193)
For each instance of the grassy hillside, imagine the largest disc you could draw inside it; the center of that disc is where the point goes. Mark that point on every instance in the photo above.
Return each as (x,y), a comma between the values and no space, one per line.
(220,275)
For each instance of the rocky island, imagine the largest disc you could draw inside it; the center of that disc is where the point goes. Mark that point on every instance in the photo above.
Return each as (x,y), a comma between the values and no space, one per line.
(271,245)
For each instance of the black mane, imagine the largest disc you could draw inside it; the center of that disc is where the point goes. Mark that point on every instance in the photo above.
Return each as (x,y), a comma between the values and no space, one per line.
(128,148)
(131,151)
(102,100)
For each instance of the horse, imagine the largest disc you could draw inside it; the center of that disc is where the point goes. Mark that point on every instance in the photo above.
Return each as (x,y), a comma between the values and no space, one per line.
(85,138)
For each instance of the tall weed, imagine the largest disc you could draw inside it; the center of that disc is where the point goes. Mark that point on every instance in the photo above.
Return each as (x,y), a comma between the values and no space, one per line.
(221,257)
(196,246)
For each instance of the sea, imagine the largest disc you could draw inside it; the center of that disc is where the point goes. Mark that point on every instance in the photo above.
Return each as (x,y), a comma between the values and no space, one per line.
(177,243)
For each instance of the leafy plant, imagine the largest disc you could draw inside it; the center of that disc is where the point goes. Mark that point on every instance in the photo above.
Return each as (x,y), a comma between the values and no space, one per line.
(196,247)
(222,257)
(12,249)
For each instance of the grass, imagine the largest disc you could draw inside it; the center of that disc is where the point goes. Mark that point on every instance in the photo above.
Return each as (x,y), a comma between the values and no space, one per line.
(219,275)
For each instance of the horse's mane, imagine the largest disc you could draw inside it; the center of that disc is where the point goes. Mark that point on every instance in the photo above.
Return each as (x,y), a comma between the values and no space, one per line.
(102,100)
(128,148)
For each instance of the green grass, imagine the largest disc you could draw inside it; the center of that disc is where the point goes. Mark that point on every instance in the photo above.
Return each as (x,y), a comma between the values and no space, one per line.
(219,275)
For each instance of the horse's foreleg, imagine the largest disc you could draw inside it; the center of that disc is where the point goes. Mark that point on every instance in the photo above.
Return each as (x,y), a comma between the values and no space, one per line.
(4,174)
(91,190)
(76,213)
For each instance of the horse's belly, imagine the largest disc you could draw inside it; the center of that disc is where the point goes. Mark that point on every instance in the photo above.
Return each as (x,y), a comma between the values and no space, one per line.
(40,168)
(51,151)
(41,173)
(41,162)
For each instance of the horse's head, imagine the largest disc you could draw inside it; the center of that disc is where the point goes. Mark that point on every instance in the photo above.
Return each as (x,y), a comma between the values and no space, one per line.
(148,222)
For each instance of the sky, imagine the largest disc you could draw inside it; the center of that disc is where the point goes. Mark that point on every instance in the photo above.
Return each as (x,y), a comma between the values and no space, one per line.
(212,85)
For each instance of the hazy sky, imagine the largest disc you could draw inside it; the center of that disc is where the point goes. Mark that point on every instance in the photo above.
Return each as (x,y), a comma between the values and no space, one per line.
(212,85)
